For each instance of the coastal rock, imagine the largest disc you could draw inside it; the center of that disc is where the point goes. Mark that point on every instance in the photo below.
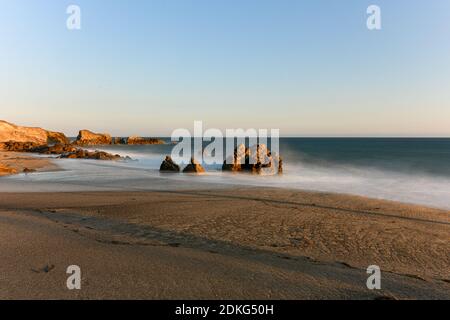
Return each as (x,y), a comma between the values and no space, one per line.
(39,136)
(86,137)
(135,140)
(119,140)
(16,146)
(193,167)
(55,149)
(85,154)
(28,170)
(168,165)
(57,137)
(6,170)
(257,159)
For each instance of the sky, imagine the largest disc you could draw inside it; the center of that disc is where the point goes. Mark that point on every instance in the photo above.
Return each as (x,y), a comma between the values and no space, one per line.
(306,67)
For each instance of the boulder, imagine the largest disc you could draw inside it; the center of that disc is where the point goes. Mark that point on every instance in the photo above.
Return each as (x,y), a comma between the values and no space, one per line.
(193,167)
(28,170)
(168,165)
(257,159)
(134,140)
(39,136)
(86,137)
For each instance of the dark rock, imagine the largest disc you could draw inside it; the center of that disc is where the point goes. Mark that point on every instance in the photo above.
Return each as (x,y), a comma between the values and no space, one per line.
(168,165)
(84,154)
(20,146)
(119,140)
(193,167)
(134,140)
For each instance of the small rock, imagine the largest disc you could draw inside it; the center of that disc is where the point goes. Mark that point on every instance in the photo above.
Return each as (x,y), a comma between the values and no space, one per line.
(168,165)
(193,167)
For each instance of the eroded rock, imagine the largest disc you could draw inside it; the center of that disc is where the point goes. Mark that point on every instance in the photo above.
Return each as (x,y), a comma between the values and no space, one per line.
(257,159)
(193,167)
(134,140)
(88,138)
(39,136)
(168,165)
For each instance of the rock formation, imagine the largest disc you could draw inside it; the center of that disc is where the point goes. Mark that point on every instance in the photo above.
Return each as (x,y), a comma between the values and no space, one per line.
(256,159)
(193,167)
(56,137)
(55,149)
(6,170)
(119,140)
(85,154)
(134,140)
(21,146)
(89,138)
(39,136)
(168,165)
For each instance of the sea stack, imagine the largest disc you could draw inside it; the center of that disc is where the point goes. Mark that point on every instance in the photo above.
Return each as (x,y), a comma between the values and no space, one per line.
(168,165)
(193,167)
(257,159)
(89,138)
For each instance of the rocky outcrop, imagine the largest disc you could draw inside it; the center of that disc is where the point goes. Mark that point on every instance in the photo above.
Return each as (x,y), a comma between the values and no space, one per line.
(193,167)
(64,150)
(39,136)
(168,165)
(134,140)
(57,137)
(257,159)
(20,146)
(85,154)
(6,170)
(119,140)
(89,138)
(55,149)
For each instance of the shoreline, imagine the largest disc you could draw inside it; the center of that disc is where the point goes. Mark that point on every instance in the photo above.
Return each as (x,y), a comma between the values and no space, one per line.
(13,163)
(16,162)
(317,245)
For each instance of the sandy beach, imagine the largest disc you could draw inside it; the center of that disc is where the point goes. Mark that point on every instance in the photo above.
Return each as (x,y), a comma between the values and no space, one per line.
(17,162)
(237,243)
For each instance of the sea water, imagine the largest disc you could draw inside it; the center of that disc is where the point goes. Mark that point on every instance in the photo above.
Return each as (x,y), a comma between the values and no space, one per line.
(412,170)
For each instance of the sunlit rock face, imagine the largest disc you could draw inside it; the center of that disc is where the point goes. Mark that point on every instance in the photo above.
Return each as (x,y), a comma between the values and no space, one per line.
(256,159)
(38,136)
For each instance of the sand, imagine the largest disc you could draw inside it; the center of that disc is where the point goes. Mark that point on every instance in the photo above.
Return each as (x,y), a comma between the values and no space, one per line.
(230,243)
(16,162)
(220,243)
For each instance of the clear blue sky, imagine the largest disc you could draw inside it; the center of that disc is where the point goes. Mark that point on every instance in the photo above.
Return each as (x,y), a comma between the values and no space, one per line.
(308,67)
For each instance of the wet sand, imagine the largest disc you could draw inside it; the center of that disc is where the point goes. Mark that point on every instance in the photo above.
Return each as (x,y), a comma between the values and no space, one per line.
(236,243)
(16,162)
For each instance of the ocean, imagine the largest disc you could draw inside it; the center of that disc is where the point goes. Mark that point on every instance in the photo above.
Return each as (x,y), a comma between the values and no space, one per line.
(412,170)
